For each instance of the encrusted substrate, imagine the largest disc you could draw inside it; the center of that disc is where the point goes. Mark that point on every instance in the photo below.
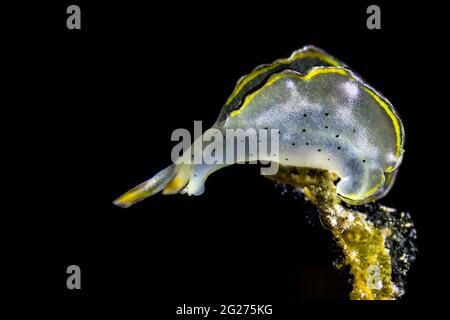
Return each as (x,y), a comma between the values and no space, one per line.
(376,241)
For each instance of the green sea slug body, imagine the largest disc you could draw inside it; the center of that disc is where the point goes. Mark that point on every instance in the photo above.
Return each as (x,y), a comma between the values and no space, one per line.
(327,116)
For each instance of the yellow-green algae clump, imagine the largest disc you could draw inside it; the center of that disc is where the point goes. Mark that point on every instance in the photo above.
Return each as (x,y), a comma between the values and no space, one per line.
(363,243)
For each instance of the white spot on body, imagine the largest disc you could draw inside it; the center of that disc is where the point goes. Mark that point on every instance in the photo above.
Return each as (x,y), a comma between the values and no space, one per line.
(290,85)
(391,158)
(351,89)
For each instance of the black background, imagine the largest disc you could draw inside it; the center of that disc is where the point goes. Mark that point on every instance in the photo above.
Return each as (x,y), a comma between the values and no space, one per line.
(95,109)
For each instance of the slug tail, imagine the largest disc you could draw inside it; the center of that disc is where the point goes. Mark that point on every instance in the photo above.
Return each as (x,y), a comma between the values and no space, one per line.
(148,188)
